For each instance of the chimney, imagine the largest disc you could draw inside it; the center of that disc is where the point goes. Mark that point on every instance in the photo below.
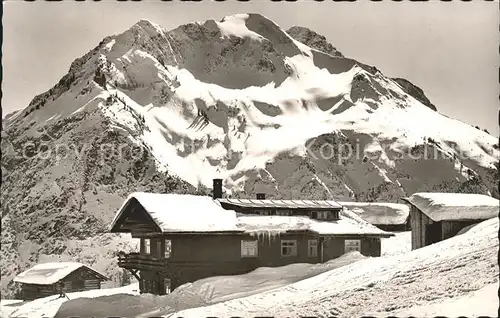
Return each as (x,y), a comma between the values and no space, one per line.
(261,196)
(217,189)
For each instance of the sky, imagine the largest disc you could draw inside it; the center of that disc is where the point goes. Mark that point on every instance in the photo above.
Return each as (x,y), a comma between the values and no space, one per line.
(449,49)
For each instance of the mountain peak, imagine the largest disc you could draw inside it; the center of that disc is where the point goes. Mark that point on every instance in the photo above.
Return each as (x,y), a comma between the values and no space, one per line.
(237,98)
(148,26)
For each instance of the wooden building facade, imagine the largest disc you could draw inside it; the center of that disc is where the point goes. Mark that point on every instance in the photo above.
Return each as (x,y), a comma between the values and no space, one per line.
(432,222)
(425,231)
(167,261)
(42,280)
(170,257)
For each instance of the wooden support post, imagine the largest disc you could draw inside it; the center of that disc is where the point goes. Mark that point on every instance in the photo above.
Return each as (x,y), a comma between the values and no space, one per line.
(134,272)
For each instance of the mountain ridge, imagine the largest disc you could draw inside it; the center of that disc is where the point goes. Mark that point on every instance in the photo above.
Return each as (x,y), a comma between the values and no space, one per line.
(320,43)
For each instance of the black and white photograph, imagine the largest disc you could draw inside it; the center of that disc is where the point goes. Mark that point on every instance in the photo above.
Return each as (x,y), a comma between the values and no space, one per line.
(250,158)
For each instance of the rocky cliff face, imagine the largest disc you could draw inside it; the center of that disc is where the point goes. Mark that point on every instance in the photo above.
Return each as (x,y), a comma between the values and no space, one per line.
(415,91)
(239,99)
(313,40)
(61,187)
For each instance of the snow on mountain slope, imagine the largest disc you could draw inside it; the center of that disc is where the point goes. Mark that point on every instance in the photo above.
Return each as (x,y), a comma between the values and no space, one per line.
(158,110)
(381,286)
(237,126)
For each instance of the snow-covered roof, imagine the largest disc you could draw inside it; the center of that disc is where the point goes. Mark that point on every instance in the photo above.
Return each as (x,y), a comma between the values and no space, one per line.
(279,224)
(288,204)
(175,213)
(183,212)
(379,213)
(50,273)
(455,206)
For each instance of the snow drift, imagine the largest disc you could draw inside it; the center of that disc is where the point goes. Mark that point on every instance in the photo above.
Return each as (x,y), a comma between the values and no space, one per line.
(202,292)
(381,286)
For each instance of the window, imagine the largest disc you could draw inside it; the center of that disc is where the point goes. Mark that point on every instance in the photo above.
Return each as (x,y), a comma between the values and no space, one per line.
(168,248)
(312,248)
(335,215)
(283,212)
(154,287)
(249,249)
(352,245)
(146,285)
(263,212)
(323,215)
(288,247)
(158,249)
(147,246)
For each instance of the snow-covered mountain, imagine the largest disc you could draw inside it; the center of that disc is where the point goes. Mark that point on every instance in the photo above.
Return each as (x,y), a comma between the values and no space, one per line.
(240,99)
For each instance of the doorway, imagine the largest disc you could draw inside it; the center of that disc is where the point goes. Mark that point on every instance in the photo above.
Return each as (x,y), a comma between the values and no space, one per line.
(433,233)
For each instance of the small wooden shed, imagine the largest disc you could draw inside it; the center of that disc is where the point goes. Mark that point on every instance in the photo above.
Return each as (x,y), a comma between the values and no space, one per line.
(48,279)
(393,217)
(438,216)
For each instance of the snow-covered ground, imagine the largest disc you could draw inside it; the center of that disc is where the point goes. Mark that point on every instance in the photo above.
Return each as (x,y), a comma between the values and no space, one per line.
(247,117)
(7,306)
(231,118)
(381,286)
(48,306)
(401,282)
(482,302)
(400,243)
(223,288)
(203,292)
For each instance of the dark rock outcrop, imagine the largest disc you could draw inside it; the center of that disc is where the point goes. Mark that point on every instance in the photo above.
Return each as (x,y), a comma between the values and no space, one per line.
(313,40)
(415,91)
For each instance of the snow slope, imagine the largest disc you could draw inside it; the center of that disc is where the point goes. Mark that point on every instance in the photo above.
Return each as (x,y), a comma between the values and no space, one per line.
(48,306)
(201,125)
(223,288)
(381,286)
(202,292)
(400,243)
(480,303)
(238,99)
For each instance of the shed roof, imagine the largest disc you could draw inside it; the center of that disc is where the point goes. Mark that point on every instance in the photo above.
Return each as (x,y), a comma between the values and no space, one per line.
(379,213)
(288,204)
(50,273)
(174,213)
(455,206)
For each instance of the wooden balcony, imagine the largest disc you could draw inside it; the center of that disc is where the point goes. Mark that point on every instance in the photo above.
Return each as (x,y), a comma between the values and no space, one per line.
(138,261)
